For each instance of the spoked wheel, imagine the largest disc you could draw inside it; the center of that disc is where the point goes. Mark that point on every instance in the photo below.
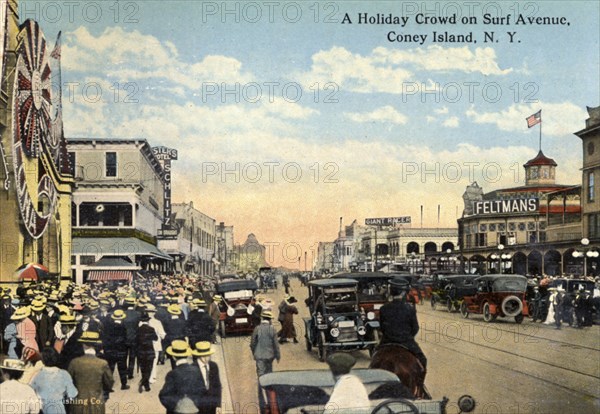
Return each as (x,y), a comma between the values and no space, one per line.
(395,406)
(322,348)
(463,310)
(487,315)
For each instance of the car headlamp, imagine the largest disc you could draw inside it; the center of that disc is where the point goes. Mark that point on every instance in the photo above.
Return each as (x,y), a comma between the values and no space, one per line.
(330,318)
(371,316)
(335,332)
(362,330)
(230,311)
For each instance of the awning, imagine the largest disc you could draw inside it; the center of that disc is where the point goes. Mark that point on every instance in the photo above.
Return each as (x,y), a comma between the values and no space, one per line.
(108,275)
(116,246)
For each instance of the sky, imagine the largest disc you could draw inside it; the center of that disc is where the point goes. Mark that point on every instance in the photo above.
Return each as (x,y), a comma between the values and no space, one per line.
(290,115)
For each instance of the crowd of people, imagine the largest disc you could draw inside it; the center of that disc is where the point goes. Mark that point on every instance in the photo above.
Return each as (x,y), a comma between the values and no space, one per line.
(60,344)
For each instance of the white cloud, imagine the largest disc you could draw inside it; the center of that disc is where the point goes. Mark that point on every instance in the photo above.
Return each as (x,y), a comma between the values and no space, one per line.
(132,56)
(451,122)
(441,111)
(392,70)
(384,114)
(563,118)
(437,58)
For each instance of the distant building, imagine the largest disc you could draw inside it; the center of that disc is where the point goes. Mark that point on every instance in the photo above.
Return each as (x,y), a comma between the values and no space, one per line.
(193,249)
(325,257)
(117,207)
(225,253)
(251,255)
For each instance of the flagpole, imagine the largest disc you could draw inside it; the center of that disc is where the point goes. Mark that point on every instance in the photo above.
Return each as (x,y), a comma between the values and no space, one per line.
(540,135)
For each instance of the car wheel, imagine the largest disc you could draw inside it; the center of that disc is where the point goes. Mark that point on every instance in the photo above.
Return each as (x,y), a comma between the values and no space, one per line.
(464,311)
(322,347)
(519,318)
(222,329)
(487,315)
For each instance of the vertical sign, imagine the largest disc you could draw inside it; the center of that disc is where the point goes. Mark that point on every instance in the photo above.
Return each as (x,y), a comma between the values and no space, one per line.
(166,155)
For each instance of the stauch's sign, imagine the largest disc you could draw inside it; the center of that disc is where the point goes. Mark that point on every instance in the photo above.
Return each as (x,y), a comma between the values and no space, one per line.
(387,221)
(519,205)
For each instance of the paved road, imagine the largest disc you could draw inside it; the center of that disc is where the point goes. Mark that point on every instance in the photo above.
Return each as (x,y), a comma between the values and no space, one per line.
(508,368)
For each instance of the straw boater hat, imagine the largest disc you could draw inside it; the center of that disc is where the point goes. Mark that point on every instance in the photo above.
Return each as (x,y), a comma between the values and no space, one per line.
(267,314)
(198,302)
(217,298)
(174,309)
(21,313)
(202,348)
(13,364)
(130,300)
(150,308)
(90,337)
(67,320)
(37,305)
(118,315)
(179,349)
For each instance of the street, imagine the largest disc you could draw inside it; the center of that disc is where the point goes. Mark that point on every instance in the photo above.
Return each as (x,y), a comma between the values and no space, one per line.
(507,368)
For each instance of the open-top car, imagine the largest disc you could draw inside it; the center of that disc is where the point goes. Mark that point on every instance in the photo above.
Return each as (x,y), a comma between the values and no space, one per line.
(451,289)
(235,307)
(336,321)
(308,391)
(497,295)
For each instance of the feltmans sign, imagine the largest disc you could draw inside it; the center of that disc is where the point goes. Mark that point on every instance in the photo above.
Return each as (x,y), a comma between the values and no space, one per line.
(521,205)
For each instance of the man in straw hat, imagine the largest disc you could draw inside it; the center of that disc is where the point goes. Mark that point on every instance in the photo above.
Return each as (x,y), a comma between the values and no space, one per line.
(92,377)
(16,397)
(145,351)
(184,380)
(44,328)
(114,339)
(25,330)
(265,348)
(210,377)
(175,326)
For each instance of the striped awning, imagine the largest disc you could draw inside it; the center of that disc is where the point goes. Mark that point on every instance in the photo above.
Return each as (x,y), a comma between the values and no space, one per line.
(107,275)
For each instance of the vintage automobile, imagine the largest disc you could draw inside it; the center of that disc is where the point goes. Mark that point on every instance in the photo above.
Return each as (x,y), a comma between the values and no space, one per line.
(451,289)
(372,289)
(235,307)
(308,391)
(497,295)
(335,321)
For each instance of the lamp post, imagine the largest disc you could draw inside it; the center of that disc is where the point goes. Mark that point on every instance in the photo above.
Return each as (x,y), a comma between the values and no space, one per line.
(585,254)
(500,257)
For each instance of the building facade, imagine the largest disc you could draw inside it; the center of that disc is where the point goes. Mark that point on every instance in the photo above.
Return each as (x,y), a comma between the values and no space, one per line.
(251,255)
(117,206)
(194,247)
(225,252)
(35,196)
(590,202)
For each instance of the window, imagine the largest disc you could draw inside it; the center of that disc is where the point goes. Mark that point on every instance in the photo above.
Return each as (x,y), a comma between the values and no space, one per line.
(594,225)
(111,164)
(481,239)
(72,161)
(590,188)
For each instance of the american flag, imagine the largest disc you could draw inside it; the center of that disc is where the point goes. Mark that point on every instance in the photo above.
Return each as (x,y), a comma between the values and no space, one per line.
(534,119)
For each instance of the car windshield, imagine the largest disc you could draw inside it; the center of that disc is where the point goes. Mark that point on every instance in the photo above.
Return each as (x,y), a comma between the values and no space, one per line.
(373,290)
(339,300)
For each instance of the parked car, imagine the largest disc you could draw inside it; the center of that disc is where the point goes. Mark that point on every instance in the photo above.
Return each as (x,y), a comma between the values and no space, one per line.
(307,391)
(497,295)
(336,322)
(372,289)
(235,307)
(451,289)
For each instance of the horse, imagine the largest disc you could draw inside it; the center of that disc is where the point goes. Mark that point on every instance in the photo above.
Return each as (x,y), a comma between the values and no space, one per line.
(399,360)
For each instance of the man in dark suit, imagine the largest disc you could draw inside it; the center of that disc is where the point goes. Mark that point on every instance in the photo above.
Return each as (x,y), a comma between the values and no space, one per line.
(44,329)
(210,377)
(114,339)
(184,381)
(398,321)
(131,324)
(175,327)
(199,325)
(145,351)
